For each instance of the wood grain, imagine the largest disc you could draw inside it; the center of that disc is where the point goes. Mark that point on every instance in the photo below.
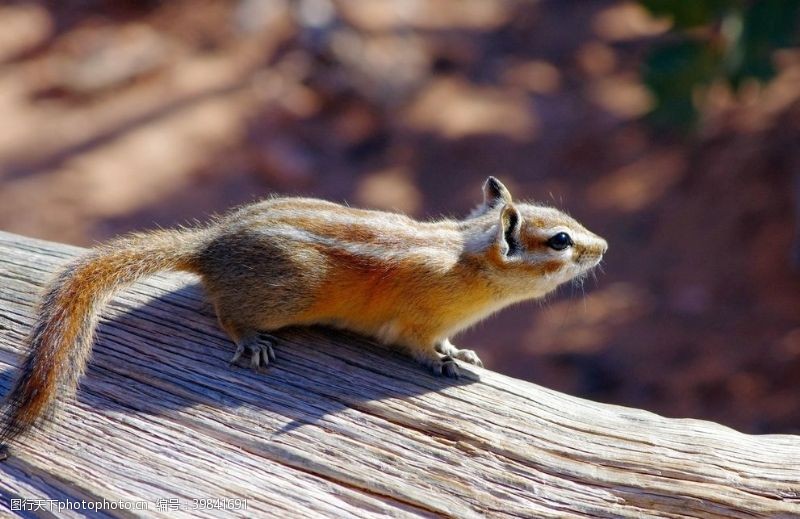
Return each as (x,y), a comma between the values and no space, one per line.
(339,427)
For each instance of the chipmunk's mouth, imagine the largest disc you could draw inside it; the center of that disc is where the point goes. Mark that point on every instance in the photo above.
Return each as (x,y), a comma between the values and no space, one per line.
(588,261)
(585,268)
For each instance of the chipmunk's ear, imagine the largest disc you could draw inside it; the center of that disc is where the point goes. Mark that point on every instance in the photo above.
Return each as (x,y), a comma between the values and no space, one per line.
(495,193)
(510,225)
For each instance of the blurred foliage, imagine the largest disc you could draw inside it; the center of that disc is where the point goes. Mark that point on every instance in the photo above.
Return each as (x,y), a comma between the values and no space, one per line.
(728,41)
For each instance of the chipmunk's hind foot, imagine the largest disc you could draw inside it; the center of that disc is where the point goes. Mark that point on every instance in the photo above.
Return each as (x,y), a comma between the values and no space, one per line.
(248,341)
(259,350)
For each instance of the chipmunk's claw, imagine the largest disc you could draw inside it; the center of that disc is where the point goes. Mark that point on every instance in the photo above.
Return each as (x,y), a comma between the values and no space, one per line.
(469,356)
(261,353)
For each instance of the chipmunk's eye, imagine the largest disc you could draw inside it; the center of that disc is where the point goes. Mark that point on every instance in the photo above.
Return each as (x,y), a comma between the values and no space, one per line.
(560,241)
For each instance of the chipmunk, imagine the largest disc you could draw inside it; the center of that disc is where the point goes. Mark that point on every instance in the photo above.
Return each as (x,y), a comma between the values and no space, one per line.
(302,261)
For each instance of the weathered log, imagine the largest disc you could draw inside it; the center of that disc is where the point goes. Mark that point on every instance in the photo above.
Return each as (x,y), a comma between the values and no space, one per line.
(340,427)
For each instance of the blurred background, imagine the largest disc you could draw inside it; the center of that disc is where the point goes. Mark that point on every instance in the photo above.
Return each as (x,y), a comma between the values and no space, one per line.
(670,128)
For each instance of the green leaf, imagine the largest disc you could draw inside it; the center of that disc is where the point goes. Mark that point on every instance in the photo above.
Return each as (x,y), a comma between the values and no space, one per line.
(688,13)
(767,26)
(672,72)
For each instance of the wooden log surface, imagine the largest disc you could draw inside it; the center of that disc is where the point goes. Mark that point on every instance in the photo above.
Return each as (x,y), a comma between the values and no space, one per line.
(339,427)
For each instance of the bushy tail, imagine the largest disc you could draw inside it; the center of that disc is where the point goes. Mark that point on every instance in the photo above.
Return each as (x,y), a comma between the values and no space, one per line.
(60,342)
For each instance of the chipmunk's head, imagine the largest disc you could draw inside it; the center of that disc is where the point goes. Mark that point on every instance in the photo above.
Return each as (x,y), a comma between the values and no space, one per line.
(535,246)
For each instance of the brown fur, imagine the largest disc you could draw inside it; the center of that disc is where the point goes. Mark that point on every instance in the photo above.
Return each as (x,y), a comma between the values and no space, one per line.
(294,261)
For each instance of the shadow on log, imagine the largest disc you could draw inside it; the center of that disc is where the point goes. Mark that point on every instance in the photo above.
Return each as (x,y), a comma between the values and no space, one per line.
(339,427)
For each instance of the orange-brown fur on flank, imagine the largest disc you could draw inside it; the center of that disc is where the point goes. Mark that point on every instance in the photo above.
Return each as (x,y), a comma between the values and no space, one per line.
(296,261)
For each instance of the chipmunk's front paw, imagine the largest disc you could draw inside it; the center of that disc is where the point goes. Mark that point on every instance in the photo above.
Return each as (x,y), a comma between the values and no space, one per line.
(445,366)
(447,348)
(261,353)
